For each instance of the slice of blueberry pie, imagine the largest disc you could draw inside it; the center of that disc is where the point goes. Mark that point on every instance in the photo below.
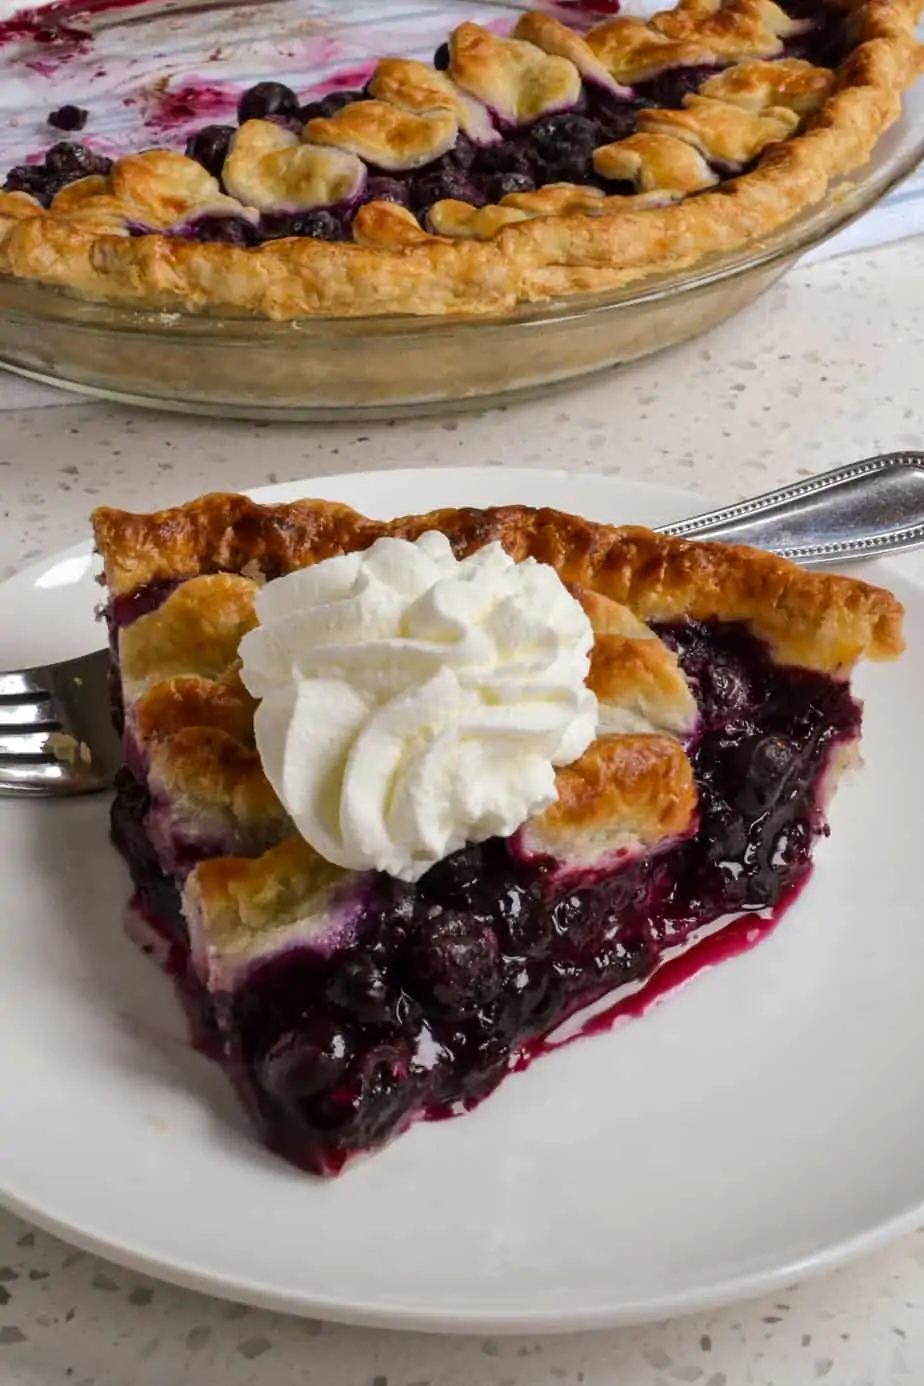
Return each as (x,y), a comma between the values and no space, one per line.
(401,798)
(512,169)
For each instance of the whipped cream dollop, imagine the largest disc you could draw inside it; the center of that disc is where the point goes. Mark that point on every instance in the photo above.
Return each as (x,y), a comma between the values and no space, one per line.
(412,702)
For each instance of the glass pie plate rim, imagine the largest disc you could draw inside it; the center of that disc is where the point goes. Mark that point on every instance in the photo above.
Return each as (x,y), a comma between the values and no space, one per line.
(448,362)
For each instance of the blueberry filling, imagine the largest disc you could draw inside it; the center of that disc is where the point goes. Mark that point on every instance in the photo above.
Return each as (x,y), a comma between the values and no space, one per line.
(34,179)
(64,163)
(70,160)
(670,88)
(436,186)
(507,156)
(462,155)
(142,601)
(322,225)
(825,39)
(209,147)
(503,184)
(267,99)
(227,230)
(328,105)
(561,148)
(382,188)
(556,148)
(448,984)
(615,117)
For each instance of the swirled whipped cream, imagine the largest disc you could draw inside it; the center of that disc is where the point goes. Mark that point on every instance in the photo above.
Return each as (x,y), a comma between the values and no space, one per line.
(411,702)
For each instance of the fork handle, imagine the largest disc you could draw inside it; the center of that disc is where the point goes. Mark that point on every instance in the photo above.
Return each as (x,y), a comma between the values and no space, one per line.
(856,512)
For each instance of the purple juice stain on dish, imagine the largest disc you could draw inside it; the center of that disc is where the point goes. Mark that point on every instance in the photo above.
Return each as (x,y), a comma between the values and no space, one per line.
(349,78)
(174,109)
(62,26)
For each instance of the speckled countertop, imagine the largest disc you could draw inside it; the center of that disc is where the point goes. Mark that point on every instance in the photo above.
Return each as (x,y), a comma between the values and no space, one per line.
(825,369)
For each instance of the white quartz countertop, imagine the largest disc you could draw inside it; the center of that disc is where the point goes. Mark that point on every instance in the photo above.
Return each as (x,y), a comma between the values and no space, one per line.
(825,369)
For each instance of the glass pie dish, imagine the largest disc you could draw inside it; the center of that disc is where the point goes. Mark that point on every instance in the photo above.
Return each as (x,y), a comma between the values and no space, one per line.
(325,368)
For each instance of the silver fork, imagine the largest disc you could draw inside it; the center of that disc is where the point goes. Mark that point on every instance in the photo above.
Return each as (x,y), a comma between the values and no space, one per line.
(861,511)
(56,732)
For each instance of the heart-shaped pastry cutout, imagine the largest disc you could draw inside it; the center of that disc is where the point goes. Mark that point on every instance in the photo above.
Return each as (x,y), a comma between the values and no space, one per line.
(270,168)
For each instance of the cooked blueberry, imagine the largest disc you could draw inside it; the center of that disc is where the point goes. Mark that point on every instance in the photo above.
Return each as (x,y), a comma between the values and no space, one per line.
(34,179)
(724,833)
(428,188)
(767,765)
(306,1060)
(525,924)
(442,58)
(793,843)
(570,973)
(563,145)
(364,1106)
(360,987)
(574,918)
(461,156)
(209,147)
(267,99)
(384,189)
(320,226)
(622,890)
(507,156)
(622,960)
(71,160)
(457,880)
(505,183)
(726,686)
(225,230)
(336,100)
(399,909)
(486,1061)
(68,118)
(457,961)
(764,888)
(671,87)
(533,988)
(614,117)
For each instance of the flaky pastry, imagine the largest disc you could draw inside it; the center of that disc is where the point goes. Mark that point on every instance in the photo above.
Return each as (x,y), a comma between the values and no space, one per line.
(285,219)
(347,1003)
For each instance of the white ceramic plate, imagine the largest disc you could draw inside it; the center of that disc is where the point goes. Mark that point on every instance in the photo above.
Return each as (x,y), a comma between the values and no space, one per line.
(763,1122)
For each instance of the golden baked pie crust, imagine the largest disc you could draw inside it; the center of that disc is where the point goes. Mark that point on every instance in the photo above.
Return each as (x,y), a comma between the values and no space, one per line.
(491,265)
(633,788)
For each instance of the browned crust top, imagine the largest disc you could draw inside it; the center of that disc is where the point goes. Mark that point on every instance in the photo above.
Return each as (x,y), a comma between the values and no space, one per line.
(628,792)
(643,783)
(817,620)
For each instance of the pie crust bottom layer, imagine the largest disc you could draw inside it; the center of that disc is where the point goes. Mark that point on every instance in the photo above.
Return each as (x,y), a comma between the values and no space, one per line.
(445,987)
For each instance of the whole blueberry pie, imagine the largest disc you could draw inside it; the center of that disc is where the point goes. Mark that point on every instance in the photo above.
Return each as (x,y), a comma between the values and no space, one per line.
(403,798)
(511,169)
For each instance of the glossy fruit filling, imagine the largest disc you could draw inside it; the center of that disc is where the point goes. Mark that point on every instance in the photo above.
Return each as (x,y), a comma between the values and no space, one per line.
(450,984)
(557,148)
